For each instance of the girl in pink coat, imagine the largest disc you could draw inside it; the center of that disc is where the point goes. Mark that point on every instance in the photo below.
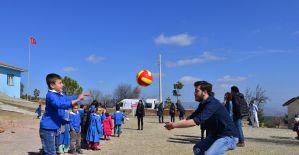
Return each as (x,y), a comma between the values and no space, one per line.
(108,126)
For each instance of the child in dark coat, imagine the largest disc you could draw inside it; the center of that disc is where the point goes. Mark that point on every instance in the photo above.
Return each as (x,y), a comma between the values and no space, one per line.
(296,125)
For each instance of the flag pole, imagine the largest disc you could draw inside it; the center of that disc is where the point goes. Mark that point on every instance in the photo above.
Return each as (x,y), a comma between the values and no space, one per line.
(28,79)
(160,79)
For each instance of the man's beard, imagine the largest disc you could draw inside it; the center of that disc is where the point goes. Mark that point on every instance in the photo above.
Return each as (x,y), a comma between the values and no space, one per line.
(200,98)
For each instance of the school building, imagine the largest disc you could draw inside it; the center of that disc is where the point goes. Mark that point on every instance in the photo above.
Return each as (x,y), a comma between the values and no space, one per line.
(293,109)
(10,80)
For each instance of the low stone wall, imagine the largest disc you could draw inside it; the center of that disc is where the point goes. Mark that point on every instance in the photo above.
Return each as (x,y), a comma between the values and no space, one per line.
(150,112)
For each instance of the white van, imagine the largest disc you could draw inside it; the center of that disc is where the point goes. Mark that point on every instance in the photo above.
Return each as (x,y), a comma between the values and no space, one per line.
(151,103)
(132,103)
(128,103)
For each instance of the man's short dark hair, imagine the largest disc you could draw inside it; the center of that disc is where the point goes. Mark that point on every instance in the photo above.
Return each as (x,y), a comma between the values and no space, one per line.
(51,79)
(204,86)
(235,89)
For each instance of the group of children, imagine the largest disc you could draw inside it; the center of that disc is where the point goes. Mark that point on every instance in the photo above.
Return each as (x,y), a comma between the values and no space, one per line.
(98,125)
(64,124)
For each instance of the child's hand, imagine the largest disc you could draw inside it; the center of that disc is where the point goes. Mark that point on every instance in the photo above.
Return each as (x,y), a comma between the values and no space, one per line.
(86,94)
(80,97)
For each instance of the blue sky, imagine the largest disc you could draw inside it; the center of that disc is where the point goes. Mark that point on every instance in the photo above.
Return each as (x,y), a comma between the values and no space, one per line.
(104,43)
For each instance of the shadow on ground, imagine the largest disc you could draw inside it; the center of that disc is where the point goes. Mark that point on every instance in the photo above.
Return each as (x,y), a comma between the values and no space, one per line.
(187,139)
(35,153)
(275,140)
(130,128)
(184,139)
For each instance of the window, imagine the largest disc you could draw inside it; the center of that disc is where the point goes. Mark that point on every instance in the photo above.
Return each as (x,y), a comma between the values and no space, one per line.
(148,105)
(10,79)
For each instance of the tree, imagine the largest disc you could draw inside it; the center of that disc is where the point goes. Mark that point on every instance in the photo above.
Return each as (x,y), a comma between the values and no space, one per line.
(125,91)
(71,87)
(168,103)
(176,88)
(36,93)
(96,95)
(105,100)
(259,97)
(136,92)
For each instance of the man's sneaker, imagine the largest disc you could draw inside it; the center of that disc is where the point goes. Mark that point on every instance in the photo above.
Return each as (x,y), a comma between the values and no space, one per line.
(241,144)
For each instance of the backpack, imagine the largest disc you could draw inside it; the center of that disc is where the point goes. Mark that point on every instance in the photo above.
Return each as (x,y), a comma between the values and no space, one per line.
(244,110)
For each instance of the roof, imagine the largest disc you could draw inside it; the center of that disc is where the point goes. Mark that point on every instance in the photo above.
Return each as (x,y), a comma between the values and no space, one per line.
(11,67)
(291,101)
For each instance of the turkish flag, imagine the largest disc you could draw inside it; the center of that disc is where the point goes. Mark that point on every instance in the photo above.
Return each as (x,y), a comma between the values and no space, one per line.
(32,41)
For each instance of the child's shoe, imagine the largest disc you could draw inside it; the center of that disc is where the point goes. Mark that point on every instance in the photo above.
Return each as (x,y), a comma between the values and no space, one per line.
(80,151)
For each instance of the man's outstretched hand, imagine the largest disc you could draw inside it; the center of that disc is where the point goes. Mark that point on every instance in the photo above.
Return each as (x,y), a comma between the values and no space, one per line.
(169,125)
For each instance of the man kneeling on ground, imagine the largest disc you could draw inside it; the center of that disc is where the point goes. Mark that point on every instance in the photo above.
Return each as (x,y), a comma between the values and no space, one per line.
(222,131)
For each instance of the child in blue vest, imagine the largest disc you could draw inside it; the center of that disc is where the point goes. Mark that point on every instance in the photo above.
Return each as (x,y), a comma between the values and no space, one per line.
(95,130)
(63,133)
(118,116)
(51,121)
(75,121)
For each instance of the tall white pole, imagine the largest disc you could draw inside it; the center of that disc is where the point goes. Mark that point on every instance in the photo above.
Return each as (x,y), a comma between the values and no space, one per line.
(160,79)
(28,79)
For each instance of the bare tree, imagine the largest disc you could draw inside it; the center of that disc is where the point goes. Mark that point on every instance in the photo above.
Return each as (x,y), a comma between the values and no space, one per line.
(96,95)
(136,92)
(125,91)
(105,100)
(258,95)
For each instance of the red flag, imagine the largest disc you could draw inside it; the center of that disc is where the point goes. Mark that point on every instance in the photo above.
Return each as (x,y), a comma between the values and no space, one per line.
(32,41)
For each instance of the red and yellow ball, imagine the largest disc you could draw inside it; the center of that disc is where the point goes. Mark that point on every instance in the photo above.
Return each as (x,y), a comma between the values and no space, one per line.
(144,78)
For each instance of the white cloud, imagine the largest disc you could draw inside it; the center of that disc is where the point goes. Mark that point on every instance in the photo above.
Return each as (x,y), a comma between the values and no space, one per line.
(296,33)
(205,57)
(94,59)
(69,69)
(225,86)
(182,39)
(228,78)
(188,79)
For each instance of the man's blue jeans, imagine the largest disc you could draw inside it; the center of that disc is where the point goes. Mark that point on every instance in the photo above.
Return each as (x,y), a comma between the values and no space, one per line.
(212,146)
(238,124)
(48,141)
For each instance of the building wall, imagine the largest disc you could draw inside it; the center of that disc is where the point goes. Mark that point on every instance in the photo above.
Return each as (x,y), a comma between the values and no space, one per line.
(13,91)
(293,109)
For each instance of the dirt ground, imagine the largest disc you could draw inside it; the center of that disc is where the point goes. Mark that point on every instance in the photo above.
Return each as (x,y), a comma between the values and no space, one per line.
(21,137)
